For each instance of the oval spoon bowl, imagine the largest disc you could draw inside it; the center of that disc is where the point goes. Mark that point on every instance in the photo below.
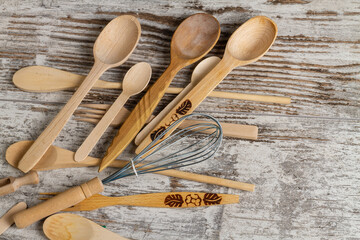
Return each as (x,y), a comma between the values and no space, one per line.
(117,40)
(195,36)
(252,39)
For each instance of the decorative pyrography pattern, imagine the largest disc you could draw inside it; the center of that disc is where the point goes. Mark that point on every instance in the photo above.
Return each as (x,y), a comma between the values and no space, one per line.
(182,110)
(192,200)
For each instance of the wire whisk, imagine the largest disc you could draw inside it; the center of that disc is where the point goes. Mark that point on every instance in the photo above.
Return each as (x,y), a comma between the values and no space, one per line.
(182,153)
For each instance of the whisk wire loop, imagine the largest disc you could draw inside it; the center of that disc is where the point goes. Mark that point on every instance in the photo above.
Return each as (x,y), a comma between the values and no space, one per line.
(187,154)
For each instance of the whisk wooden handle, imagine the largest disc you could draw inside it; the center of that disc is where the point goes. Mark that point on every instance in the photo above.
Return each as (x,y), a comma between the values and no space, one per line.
(59,202)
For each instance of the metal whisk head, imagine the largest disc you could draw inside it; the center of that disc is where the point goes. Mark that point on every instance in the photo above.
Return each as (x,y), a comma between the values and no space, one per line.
(182,151)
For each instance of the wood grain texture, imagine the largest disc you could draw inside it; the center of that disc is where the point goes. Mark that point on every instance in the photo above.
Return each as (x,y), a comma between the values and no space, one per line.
(304,163)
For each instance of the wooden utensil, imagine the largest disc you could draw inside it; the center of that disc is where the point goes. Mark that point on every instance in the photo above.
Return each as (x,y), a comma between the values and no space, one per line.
(159,200)
(135,80)
(11,184)
(229,129)
(96,111)
(246,45)
(113,47)
(185,153)
(47,79)
(7,219)
(71,226)
(205,66)
(199,72)
(192,40)
(57,157)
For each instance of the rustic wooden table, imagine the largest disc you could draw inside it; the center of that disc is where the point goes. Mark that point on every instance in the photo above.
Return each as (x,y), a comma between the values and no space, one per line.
(305,163)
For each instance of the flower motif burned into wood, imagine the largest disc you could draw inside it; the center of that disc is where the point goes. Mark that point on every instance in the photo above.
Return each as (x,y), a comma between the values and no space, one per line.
(182,110)
(194,200)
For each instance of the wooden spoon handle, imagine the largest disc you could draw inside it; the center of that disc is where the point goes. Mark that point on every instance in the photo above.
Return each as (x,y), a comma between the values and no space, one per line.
(191,100)
(61,201)
(139,115)
(196,177)
(147,129)
(12,184)
(47,137)
(100,128)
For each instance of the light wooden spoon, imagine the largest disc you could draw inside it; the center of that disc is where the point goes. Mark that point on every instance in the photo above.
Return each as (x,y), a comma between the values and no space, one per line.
(246,45)
(47,79)
(135,80)
(71,226)
(113,47)
(199,72)
(192,40)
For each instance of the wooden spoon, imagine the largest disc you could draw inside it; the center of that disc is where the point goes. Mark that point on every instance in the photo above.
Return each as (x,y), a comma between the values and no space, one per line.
(192,40)
(246,45)
(112,48)
(135,80)
(57,157)
(47,79)
(199,72)
(71,226)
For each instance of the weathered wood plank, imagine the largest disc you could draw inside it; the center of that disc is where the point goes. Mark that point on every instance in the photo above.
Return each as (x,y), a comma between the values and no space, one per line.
(304,164)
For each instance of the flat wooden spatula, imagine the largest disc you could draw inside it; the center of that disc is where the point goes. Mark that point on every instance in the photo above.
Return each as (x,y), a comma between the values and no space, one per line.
(160,200)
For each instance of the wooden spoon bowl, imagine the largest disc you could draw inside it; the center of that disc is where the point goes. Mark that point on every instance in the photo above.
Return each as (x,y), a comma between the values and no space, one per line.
(251,40)
(71,226)
(116,42)
(192,40)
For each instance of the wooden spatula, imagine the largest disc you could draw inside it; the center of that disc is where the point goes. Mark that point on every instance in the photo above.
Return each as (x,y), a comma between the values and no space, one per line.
(160,200)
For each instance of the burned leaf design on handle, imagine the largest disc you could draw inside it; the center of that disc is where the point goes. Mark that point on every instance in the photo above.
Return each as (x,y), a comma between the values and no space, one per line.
(174,200)
(182,110)
(212,199)
(157,132)
(184,107)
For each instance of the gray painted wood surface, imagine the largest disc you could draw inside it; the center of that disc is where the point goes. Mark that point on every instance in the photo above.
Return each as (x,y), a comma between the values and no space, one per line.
(305,163)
